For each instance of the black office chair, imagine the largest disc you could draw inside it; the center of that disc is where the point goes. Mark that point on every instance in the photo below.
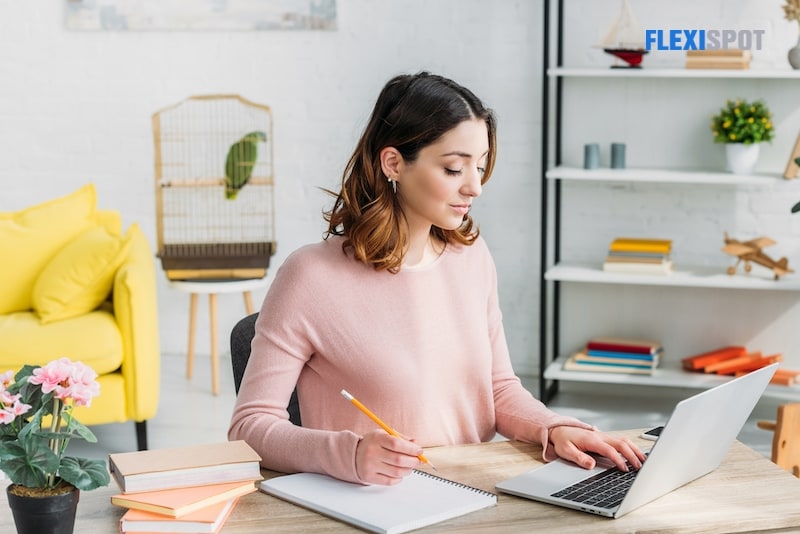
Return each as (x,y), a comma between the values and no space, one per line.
(241,338)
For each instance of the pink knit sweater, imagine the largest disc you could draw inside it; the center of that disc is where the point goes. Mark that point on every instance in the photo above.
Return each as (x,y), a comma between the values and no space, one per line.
(424,349)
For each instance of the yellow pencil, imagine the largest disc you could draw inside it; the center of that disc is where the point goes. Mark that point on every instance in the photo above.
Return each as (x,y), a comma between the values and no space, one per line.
(381,424)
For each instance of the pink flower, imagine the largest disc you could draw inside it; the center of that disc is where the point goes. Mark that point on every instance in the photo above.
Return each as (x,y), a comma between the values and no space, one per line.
(6,417)
(7,398)
(20,408)
(68,380)
(52,376)
(6,379)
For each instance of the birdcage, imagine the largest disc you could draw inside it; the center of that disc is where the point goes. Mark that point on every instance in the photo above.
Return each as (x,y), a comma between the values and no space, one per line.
(214,188)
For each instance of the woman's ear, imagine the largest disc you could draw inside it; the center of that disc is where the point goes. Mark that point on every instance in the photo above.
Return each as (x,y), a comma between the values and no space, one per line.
(391,160)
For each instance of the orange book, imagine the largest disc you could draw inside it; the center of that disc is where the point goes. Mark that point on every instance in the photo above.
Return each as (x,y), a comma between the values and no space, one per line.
(751,364)
(731,363)
(206,520)
(181,501)
(698,362)
(785,377)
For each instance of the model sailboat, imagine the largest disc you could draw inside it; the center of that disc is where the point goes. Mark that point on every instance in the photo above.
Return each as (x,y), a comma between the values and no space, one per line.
(625,39)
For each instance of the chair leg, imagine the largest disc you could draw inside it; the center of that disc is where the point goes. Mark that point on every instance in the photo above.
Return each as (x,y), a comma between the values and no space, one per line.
(248,303)
(141,435)
(212,308)
(192,323)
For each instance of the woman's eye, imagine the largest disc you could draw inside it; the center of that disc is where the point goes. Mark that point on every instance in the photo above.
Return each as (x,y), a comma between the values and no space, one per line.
(482,170)
(453,172)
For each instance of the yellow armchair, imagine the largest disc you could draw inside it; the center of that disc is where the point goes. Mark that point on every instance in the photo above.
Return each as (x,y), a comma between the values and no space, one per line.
(74,285)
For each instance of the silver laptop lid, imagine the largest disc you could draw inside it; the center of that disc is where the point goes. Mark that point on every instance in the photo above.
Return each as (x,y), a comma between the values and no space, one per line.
(697,437)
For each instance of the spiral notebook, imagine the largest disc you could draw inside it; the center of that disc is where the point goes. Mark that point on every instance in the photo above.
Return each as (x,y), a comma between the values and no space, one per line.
(421,499)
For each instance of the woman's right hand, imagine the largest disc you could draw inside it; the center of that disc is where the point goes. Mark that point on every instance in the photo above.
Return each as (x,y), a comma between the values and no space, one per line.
(384,459)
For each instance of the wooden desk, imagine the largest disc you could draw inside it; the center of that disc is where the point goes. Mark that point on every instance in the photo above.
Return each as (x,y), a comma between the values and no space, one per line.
(747,493)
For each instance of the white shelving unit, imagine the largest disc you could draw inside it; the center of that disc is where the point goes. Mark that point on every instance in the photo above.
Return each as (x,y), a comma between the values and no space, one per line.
(555,271)
(660,176)
(664,376)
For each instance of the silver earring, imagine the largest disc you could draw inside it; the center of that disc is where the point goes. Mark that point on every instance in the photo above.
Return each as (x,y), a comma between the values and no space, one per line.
(394,185)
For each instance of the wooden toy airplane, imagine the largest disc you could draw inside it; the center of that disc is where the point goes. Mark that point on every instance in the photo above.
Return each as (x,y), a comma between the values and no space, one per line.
(750,251)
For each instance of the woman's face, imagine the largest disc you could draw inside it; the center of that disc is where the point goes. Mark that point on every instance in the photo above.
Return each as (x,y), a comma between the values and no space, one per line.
(439,186)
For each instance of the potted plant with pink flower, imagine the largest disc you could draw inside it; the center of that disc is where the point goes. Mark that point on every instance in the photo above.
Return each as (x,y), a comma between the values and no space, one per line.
(36,425)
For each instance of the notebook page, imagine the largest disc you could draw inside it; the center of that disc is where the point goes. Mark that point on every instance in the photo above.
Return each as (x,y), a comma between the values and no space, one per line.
(420,499)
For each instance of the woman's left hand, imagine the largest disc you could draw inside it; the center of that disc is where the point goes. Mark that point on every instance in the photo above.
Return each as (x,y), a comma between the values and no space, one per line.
(572,443)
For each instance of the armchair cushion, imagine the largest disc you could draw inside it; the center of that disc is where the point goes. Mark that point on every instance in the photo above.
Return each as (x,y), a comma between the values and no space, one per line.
(80,276)
(93,338)
(33,235)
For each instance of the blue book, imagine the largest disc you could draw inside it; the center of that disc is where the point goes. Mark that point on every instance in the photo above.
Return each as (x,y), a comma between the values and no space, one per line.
(626,355)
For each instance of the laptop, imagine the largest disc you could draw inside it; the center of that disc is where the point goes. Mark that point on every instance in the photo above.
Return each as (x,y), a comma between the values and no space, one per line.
(694,441)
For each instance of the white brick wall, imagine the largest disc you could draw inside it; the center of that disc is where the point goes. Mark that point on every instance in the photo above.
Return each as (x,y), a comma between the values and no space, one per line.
(76,107)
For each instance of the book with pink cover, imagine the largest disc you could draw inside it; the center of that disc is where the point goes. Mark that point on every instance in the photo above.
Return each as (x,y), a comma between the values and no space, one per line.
(181,501)
(207,520)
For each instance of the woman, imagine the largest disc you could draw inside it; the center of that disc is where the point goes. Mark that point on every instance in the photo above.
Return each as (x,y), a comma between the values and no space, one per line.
(398,305)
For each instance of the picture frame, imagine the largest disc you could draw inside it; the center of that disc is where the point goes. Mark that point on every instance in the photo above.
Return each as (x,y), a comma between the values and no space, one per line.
(793,168)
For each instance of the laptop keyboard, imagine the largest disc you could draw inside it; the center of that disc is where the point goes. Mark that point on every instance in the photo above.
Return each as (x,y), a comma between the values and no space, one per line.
(604,490)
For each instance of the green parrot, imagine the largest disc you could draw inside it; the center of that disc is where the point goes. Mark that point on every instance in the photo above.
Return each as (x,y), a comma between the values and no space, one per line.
(240,161)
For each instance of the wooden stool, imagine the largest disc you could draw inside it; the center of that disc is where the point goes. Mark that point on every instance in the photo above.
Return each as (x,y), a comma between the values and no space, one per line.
(212,288)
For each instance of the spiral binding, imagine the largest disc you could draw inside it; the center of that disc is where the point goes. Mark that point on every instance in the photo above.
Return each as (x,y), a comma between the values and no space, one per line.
(454,483)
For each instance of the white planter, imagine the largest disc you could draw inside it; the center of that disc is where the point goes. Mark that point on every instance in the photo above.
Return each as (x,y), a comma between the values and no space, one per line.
(742,158)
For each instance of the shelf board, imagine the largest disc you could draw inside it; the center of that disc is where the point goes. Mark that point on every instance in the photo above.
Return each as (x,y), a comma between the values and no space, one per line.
(662,176)
(596,72)
(712,277)
(664,376)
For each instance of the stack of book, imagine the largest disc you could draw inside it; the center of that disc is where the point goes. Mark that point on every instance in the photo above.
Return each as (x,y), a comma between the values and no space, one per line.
(730,58)
(183,489)
(616,355)
(639,255)
(736,360)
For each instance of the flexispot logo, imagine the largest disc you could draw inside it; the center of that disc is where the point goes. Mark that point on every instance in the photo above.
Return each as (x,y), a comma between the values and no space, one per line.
(688,39)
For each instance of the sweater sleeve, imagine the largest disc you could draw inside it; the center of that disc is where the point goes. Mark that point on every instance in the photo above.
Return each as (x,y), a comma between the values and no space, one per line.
(518,414)
(280,349)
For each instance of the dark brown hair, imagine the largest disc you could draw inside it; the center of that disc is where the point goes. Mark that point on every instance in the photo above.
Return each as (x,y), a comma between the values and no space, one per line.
(412,112)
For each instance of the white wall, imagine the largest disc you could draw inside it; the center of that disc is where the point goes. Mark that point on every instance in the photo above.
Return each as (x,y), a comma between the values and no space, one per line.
(75,107)
(665,123)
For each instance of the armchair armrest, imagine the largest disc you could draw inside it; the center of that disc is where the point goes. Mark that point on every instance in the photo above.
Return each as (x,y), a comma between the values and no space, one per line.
(136,313)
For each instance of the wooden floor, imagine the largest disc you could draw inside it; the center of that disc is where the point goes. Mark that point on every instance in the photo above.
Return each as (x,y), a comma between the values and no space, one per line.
(190,414)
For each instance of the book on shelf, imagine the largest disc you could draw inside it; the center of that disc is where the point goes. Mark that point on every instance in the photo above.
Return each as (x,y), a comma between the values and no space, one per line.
(662,269)
(783,377)
(179,467)
(206,520)
(639,360)
(419,500)
(698,362)
(574,364)
(622,344)
(623,254)
(178,502)
(718,63)
(732,58)
(718,52)
(748,362)
(635,244)
(634,356)
(654,259)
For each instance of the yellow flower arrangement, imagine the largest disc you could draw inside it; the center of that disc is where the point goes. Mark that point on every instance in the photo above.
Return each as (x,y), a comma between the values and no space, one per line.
(743,122)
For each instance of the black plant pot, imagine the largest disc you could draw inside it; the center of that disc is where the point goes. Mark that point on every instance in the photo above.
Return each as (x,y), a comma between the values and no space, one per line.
(44,515)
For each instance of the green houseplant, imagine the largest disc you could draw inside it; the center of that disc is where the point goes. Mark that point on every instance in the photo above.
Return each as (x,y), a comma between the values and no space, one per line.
(742,125)
(36,425)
